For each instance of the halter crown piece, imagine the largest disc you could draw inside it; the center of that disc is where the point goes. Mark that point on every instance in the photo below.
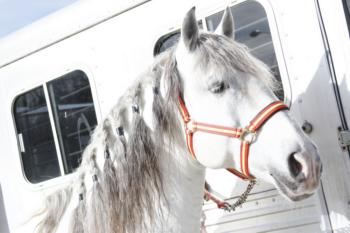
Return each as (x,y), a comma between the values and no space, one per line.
(246,135)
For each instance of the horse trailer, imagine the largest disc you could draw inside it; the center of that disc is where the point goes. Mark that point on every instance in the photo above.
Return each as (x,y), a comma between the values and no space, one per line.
(62,74)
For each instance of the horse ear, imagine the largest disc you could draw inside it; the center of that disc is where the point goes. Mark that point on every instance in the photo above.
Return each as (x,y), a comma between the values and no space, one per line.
(226,26)
(189,30)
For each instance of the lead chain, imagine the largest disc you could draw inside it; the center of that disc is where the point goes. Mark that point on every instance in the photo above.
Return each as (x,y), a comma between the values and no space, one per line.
(243,198)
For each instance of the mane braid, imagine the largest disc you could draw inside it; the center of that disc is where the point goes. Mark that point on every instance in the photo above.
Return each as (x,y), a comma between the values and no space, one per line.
(109,183)
(145,179)
(77,223)
(96,208)
(164,116)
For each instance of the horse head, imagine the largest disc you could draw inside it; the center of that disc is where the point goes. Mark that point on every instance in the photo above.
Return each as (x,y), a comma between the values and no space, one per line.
(224,85)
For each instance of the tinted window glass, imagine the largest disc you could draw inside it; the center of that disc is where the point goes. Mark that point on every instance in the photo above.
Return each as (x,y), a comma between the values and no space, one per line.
(166,42)
(74,114)
(38,152)
(169,40)
(252,29)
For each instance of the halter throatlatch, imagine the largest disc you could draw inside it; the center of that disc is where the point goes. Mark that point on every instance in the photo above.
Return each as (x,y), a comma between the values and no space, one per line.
(246,135)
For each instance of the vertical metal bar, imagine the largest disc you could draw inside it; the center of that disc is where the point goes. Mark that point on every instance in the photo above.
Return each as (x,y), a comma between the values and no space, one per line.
(347,14)
(54,109)
(54,130)
(331,67)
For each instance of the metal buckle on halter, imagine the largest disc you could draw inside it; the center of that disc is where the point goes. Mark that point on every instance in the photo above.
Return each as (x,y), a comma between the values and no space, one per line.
(191,126)
(247,135)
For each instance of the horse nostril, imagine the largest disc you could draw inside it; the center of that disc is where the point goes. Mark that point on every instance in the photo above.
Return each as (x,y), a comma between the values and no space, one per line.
(294,166)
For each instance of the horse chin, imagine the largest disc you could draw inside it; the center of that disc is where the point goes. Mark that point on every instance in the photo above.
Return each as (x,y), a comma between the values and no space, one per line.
(289,189)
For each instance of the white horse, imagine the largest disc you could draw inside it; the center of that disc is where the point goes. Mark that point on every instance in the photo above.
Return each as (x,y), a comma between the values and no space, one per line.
(138,175)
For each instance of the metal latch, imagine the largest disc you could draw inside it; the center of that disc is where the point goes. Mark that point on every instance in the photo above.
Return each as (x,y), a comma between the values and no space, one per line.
(21,143)
(344,138)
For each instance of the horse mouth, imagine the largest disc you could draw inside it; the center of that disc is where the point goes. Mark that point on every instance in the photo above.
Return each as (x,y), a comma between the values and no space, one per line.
(289,189)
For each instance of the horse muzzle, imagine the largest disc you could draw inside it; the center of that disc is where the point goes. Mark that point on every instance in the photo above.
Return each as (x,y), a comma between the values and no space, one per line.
(305,169)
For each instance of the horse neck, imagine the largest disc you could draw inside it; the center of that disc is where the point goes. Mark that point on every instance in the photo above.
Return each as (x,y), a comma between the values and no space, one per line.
(183,177)
(184,185)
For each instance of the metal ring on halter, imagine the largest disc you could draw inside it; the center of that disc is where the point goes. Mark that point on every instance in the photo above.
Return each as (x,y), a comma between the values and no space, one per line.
(191,126)
(247,135)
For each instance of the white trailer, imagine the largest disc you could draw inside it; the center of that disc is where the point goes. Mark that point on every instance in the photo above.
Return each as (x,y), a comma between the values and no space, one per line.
(61,75)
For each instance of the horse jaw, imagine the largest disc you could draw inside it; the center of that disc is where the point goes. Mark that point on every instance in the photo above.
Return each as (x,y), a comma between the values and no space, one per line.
(282,154)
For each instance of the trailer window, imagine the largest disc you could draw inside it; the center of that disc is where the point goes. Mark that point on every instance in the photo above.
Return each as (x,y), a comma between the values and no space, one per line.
(252,29)
(74,115)
(166,42)
(37,147)
(71,107)
(169,40)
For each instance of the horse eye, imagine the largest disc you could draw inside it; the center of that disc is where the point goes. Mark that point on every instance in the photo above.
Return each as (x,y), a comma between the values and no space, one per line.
(219,87)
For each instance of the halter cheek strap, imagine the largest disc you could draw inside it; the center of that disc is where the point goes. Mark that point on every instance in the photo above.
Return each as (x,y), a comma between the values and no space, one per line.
(246,135)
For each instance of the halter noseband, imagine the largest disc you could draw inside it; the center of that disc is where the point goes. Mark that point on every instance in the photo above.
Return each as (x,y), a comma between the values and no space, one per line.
(246,135)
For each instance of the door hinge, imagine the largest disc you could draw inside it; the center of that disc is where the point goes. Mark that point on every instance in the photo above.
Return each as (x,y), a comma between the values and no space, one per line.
(344,138)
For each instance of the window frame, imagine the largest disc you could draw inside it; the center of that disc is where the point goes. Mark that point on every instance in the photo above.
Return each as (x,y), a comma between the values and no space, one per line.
(164,37)
(275,35)
(64,177)
(19,143)
(346,8)
(173,31)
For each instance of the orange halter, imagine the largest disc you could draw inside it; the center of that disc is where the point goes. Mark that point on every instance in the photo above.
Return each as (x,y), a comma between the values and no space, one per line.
(246,135)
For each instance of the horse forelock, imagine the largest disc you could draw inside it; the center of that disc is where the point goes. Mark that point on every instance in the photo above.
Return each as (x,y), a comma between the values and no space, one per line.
(226,54)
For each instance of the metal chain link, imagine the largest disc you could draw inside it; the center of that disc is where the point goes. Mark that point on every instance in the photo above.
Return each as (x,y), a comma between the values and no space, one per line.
(243,198)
